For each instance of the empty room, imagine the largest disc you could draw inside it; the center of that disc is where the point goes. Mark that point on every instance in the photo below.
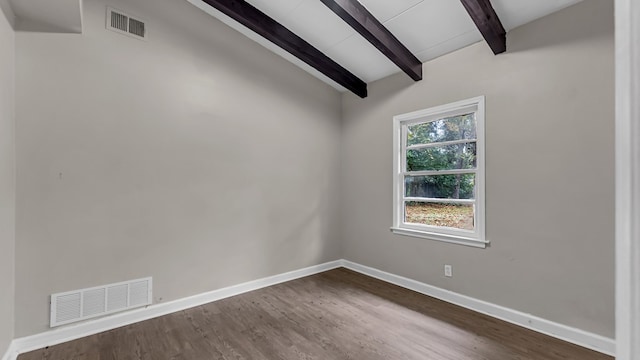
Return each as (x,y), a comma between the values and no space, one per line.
(319,179)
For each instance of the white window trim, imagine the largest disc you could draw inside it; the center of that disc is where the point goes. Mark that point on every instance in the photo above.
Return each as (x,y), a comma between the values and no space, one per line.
(474,238)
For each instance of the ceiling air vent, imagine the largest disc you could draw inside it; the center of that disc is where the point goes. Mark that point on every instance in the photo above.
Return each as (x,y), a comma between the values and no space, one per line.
(77,305)
(125,24)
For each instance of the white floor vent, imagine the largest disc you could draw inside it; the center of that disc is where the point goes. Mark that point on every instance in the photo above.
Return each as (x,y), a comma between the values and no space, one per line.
(125,24)
(72,306)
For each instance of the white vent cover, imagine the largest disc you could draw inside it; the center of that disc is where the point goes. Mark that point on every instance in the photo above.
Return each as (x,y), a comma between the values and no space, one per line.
(72,306)
(123,23)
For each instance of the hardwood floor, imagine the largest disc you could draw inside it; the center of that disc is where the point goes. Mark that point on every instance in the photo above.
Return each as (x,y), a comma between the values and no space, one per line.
(338,314)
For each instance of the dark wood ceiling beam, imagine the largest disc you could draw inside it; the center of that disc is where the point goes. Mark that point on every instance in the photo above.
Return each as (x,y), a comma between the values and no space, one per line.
(488,23)
(262,24)
(362,21)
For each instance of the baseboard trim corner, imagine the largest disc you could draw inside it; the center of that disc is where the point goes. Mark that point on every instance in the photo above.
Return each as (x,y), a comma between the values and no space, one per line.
(71,332)
(91,327)
(563,332)
(11,353)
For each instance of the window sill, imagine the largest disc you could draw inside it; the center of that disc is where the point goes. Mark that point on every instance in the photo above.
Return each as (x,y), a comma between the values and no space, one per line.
(441,237)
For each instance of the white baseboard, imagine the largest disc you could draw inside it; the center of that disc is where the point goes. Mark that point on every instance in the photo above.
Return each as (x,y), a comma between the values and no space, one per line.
(11,353)
(76,331)
(576,336)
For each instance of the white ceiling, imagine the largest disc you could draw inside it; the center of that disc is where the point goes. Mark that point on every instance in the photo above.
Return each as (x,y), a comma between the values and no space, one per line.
(429,28)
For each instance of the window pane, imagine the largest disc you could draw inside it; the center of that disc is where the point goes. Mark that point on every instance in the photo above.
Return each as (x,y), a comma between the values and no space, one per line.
(459,186)
(437,214)
(447,129)
(458,156)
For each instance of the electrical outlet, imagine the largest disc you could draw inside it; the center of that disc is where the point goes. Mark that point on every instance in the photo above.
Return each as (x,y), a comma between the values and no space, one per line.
(448,271)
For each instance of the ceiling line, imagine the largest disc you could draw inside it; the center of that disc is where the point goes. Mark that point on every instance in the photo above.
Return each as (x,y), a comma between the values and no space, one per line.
(293,9)
(446,41)
(362,21)
(403,12)
(265,26)
(489,24)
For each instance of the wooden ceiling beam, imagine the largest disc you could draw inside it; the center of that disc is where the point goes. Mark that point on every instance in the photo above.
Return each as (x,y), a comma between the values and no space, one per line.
(265,26)
(362,21)
(488,23)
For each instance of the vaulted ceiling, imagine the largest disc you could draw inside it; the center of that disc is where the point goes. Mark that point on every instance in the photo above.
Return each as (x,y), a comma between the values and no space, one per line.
(346,43)
(427,28)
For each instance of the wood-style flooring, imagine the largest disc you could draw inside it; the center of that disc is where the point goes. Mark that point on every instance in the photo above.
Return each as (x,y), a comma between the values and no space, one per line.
(338,314)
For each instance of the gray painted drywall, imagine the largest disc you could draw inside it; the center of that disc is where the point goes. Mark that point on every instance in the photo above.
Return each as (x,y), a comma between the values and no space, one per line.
(7,182)
(197,157)
(550,170)
(7,10)
(202,159)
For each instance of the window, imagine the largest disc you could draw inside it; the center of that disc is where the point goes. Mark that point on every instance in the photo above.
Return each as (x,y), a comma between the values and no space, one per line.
(438,182)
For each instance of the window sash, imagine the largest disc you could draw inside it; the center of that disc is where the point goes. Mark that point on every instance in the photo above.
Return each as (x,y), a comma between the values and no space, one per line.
(435,115)
(475,238)
(436,200)
(439,143)
(439,172)
(404,186)
(405,148)
(441,229)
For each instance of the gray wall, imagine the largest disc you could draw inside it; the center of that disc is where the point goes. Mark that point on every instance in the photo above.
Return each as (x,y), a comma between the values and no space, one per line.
(550,162)
(7,11)
(7,182)
(203,160)
(197,157)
